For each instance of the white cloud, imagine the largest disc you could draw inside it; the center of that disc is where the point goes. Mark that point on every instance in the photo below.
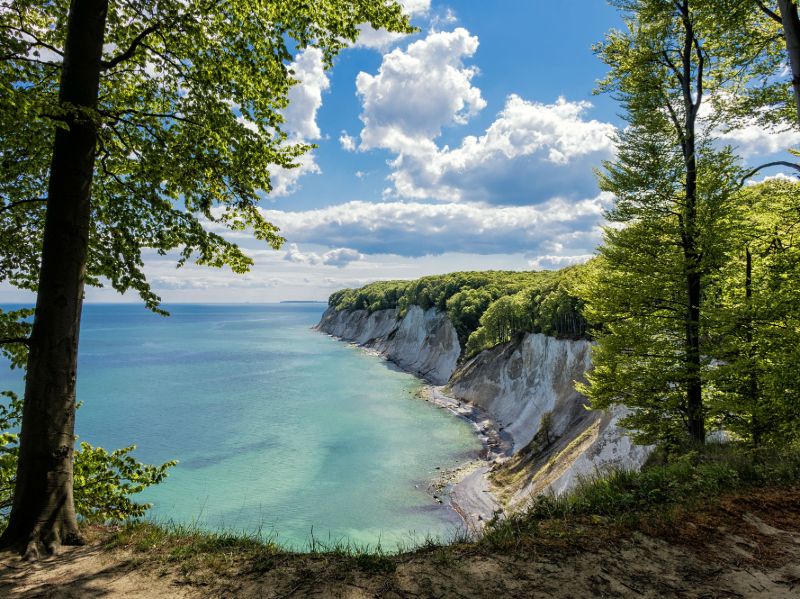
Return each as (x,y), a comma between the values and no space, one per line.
(300,118)
(749,138)
(557,228)
(305,98)
(347,142)
(448,18)
(418,91)
(753,140)
(531,152)
(556,262)
(285,181)
(339,257)
(376,39)
(531,149)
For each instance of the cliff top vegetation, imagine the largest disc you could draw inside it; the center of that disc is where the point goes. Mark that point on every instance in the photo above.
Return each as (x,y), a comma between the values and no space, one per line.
(486,308)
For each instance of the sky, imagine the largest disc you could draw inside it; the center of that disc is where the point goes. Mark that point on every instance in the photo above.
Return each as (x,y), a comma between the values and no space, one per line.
(469,145)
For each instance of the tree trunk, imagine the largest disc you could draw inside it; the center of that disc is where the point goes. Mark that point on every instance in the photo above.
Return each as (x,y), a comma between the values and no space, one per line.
(692,260)
(791,32)
(751,389)
(694,383)
(43,513)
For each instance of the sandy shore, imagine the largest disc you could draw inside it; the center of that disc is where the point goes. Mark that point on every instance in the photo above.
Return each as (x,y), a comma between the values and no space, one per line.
(467,488)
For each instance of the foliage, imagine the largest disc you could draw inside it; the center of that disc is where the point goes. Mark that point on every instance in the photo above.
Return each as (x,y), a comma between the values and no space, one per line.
(486,308)
(103,481)
(686,481)
(757,318)
(14,329)
(550,307)
(750,33)
(188,128)
(189,121)
(673,191)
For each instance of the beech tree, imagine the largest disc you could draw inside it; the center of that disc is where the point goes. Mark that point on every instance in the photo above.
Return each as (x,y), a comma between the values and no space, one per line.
(672,190)
(126,125)
(784,13)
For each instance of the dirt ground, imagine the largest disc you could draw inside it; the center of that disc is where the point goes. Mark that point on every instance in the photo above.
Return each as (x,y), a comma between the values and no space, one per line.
(747,546)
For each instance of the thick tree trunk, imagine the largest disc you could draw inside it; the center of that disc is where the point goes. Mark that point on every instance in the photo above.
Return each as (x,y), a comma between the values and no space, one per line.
(791,32)
(43,513)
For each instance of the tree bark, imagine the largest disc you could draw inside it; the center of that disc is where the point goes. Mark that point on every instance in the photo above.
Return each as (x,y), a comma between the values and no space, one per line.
(791,32)
(43,513)
(692,260)
(694,382)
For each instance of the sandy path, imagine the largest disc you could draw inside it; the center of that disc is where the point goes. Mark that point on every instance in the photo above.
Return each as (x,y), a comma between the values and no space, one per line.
(83,572)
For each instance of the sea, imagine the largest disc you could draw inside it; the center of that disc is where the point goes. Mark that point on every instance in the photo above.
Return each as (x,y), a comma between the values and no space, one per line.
(280,431)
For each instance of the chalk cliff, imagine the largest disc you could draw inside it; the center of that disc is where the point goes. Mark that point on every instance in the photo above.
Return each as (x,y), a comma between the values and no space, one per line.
(423,342)
(526,386)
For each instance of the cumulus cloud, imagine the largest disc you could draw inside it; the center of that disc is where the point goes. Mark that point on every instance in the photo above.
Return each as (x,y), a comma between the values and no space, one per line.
(300,118)
(556,228)
(754,140)
(556,262)
(339,257)
(419,90)
(305,98)
(285,181)
(532,151)
(749,138)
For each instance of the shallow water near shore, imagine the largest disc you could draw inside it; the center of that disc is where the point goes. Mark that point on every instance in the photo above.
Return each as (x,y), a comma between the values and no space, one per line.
(278,428)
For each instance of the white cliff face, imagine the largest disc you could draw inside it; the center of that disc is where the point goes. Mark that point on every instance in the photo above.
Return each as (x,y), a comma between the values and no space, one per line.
(527,386)
(518,383)
(423,342)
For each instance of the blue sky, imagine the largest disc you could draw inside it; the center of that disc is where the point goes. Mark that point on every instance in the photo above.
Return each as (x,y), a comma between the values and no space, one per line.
(469,145)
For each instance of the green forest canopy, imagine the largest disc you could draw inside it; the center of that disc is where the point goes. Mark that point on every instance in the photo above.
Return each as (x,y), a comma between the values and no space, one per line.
(486,308)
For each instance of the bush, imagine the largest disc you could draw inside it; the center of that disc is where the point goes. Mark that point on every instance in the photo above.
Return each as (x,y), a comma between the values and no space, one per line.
(103,481)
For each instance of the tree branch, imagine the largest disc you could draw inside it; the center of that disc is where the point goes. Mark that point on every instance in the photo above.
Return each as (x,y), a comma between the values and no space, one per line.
(17,203)
(770,13)
(767,165)
(110,64)
(12,340)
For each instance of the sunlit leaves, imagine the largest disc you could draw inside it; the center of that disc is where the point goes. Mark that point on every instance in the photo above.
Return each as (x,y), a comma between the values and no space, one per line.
(189,121)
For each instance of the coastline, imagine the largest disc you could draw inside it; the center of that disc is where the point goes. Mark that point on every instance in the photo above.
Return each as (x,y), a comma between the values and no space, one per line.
(466,489)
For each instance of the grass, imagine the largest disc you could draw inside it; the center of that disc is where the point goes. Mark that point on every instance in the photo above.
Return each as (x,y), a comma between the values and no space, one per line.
(658,493)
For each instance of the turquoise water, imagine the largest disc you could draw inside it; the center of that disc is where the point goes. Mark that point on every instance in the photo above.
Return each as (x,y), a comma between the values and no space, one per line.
(277,428)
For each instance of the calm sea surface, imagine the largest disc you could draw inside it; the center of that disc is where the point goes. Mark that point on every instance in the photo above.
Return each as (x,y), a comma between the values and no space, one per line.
(277,427)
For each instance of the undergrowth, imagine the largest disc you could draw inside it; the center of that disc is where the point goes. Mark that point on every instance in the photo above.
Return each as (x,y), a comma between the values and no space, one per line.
(665,487)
